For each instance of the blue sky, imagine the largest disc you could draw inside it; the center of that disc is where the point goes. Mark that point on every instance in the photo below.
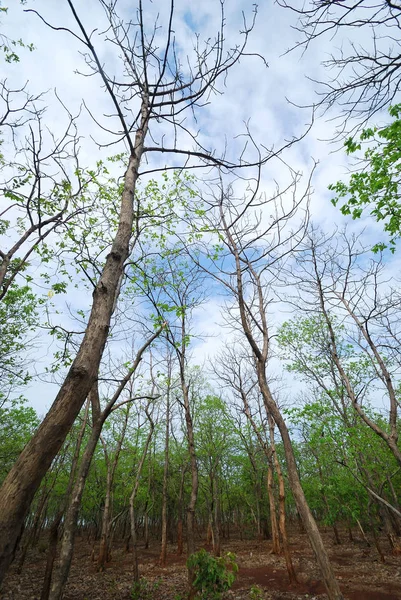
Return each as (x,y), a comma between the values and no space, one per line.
(252,94)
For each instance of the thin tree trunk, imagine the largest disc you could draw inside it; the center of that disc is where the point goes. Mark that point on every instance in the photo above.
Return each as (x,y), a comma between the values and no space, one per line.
(216,518)
(282,521)
(104,549)
(272,503)
(194,485)
(180,541)
(134,492)
(163,553)
(51,556)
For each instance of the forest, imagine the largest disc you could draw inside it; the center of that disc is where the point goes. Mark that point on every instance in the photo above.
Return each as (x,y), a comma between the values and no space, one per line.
(200,301)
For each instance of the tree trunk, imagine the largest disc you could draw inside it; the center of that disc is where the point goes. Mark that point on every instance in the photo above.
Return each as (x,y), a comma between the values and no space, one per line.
(272,503)
(21,483)
(104,536)
(216,518)
(71,517)
(282,521)
(163,553)
(51,556)
(194,486)
(315,539)
(134,492)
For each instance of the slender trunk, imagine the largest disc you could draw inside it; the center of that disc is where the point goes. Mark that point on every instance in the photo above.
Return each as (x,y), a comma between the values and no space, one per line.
(375,536)
(394,543)
(163,554)
(272,503)
(282,521)
(180,542)
(104,536)
(194,485)
(146,528)
(194,481)
(21,483)
(315,539)
(51,556)
(31,535)
(363,533)
(350,536)
(134,492)
(336,534)
(216,518)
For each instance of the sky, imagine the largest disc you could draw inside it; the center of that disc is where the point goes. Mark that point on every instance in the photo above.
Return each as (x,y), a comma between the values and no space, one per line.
(264,98)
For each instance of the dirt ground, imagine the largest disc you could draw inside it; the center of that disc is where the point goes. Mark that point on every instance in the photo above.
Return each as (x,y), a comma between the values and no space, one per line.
(261,576)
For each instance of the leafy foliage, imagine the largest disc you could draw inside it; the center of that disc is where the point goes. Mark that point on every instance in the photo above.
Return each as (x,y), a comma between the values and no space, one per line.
(213,575)
(376,185)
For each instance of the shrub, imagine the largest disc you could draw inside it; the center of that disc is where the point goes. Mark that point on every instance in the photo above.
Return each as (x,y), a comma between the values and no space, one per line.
(144,589)
(212,575)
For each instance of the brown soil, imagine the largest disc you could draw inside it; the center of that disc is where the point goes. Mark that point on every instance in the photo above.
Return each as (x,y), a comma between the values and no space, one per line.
(261,576)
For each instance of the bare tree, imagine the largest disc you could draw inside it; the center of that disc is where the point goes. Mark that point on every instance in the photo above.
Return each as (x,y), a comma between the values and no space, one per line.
(42,187)
(153,89)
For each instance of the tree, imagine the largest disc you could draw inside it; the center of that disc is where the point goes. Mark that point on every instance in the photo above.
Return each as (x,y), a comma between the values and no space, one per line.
(334,282)
(157,90)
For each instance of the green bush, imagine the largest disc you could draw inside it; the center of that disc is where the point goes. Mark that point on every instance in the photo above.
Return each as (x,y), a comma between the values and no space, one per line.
(144,589)
(212,575)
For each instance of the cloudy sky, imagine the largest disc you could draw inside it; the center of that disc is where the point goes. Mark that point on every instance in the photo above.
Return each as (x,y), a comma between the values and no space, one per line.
(266,98)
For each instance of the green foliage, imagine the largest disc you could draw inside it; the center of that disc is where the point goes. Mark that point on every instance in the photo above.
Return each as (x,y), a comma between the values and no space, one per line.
(256,593)
(144,589)
(213,575)
(10,47)
(17,424)
(375,186)
(18,317)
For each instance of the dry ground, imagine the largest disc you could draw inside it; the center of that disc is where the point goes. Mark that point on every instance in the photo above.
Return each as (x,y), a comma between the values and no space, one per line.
(361,574)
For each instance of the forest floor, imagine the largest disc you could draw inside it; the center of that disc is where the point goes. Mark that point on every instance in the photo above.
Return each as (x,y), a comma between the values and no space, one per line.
(361,574)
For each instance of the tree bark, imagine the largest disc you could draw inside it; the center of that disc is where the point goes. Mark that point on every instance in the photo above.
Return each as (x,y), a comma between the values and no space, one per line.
(315,539)
(163,553)
(272,504)
(282,520)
